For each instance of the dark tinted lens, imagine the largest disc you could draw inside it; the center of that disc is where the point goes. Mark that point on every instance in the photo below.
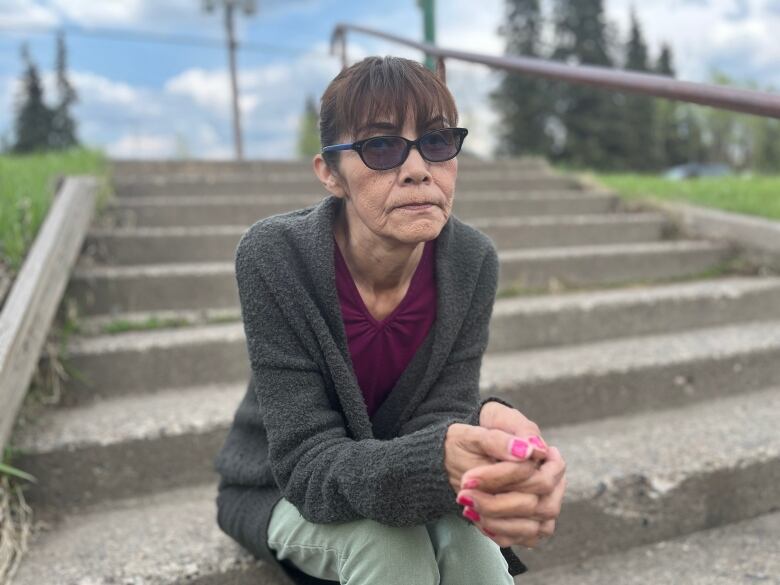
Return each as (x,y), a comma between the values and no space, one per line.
(383,152)
(440,145)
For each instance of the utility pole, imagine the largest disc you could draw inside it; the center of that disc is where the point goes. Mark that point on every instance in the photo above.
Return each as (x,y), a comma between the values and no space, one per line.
(429,28)
(249,7)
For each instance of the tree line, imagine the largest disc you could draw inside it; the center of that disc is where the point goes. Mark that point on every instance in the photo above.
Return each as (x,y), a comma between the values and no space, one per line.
(583,126)
(37,126)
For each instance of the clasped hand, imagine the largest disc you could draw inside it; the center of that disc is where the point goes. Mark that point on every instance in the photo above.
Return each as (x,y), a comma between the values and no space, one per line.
(513,496)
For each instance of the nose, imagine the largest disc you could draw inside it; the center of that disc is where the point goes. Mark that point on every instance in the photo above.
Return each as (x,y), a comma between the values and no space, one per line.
(415,168)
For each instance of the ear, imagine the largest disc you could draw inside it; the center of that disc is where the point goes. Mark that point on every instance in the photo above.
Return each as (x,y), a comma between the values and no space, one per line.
(330,180)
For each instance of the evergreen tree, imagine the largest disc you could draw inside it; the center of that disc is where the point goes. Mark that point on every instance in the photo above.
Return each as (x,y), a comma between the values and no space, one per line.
(308,133)
(33,116)
(640,148)
(590,116)
(63,127)
(674,128)
(522,100)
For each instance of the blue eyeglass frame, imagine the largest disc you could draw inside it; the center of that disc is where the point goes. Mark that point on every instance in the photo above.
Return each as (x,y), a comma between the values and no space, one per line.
(358,146)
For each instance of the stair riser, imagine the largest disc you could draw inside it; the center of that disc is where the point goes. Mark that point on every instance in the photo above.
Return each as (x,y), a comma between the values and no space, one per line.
(71,480)
(245,214)
(135,372)
(590,397)
(614,269)
(311,185)
(127,250)
(703,501)
(518,331)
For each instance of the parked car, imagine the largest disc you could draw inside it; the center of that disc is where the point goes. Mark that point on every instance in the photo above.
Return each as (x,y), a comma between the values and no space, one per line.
(693,170)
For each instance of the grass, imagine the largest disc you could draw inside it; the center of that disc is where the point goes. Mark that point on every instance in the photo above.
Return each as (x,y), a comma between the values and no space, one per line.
(756,195)
(27,186)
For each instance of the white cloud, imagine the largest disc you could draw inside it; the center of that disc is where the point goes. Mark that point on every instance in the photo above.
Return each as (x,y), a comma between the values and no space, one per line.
(20,14)
(211,89)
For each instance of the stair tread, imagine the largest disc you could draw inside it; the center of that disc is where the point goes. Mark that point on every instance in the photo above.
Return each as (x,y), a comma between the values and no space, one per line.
(741,552)
(166,538)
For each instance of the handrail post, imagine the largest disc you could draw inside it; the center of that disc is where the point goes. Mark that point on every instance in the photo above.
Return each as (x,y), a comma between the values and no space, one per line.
(441,72)
(339,36)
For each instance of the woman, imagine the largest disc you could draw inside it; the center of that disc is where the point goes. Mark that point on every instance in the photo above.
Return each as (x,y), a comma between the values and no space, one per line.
(361,452)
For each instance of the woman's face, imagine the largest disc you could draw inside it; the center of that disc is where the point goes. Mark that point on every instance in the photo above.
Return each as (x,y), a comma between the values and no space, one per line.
(376,199)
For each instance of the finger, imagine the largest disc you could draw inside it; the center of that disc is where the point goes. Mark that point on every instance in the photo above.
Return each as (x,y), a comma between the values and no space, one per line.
(546,529)
(510,531)
(547,476)
(503,446)
(506,505)
(497,477)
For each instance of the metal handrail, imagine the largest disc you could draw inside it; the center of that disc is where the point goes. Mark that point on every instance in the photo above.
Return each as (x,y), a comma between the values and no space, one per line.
(718,96)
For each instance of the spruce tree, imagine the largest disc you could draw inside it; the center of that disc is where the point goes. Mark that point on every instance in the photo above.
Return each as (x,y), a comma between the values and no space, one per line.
(640,148)
(33,116)
(63,127)
(308,133)
(522,101)
(675,131)
(590,116)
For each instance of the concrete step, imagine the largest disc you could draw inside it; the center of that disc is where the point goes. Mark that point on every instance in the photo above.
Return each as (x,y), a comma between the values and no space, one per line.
(164,539)
(284,183)
(245,210)
(534,321)
(572,266)
(150,245)
(128,169)
(596,379)
(741,553)
(151,287)
(633,480)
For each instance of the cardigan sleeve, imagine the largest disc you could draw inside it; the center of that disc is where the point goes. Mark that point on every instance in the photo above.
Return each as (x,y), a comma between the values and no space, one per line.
(455,394)
(327,475)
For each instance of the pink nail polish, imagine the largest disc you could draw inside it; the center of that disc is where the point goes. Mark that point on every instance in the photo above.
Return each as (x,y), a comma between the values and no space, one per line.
(465,501)
(520,448)
(489,533)
(537,441)
(471,484)
(471,514)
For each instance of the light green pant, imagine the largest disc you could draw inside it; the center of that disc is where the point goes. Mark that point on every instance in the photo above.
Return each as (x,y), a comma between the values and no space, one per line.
(450,550)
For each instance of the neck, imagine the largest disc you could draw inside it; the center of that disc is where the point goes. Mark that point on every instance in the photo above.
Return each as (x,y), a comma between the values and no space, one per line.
(377,264)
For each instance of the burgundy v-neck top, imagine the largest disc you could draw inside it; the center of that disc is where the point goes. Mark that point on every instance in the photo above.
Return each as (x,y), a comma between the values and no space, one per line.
(381,350)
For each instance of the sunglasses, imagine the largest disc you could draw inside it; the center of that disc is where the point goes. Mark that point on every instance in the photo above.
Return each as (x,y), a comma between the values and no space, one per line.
(381,153)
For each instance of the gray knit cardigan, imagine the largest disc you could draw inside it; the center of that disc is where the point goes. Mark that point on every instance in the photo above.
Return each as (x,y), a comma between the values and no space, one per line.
(302,430)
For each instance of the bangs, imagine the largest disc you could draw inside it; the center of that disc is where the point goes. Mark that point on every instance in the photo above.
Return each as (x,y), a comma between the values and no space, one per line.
(384,97)
(384,89)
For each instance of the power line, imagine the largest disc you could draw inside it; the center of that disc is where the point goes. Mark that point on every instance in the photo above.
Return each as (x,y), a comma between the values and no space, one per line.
(169,39)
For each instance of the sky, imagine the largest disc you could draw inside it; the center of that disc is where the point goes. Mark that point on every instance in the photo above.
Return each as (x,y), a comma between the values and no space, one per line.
(146,99)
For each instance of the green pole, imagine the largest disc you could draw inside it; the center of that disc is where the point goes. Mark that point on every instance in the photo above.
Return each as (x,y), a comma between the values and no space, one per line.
(429,29)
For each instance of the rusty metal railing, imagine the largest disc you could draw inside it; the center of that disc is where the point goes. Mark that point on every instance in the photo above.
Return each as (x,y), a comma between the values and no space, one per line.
(718,96)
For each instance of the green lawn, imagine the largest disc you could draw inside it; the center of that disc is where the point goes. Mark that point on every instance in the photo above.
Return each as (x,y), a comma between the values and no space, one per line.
(756,195)
(26,191)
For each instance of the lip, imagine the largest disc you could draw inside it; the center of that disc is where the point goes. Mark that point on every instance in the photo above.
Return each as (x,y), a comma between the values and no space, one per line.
(423,206)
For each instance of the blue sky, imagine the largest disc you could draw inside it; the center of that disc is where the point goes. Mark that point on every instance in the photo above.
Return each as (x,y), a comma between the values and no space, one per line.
(153,100)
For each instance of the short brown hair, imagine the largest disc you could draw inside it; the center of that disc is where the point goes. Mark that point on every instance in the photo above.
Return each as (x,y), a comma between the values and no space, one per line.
(381,85)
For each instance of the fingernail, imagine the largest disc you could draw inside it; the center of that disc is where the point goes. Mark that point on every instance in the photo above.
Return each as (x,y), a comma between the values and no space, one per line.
(465,501)
(471,484)
(538,442)
(520,448)
(471,514)
(489,533)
